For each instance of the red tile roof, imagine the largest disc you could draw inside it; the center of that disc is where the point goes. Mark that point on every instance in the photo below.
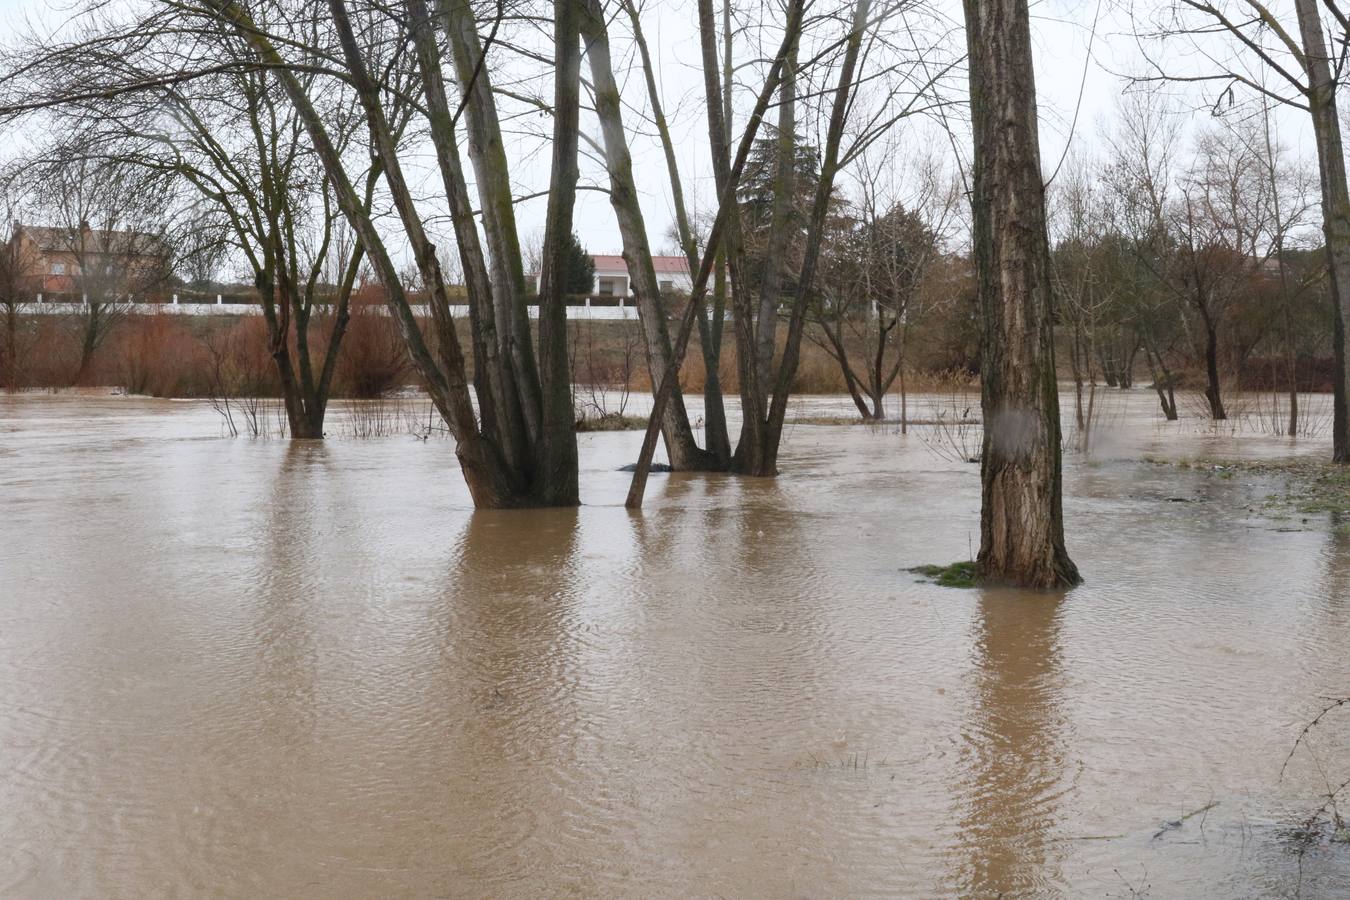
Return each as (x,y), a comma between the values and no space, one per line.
(667,265)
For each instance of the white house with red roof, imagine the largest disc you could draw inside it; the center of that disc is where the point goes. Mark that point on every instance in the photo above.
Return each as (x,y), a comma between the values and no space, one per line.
(611,275)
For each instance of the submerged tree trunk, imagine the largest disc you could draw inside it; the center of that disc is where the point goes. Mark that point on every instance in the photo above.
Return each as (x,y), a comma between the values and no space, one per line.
(1213,391)
(1335,207)
(743,318)
(1162,383)
(709,327)
(1022,525)
(503,465)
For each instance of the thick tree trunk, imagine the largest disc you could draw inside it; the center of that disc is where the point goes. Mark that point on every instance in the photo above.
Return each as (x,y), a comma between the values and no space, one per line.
(682,449)
(1335,207)
(556,478)
(1022,525)
(487,153)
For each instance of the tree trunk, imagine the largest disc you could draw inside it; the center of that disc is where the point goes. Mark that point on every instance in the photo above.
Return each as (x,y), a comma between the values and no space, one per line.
(904,396)
(750,446)
(487,153)
(709,327)
(1127,373)
(1213,392)
(682,449)
(820,207)
(710,343)
(1162,383)
(11,347)
(1021,522)
(556,476)
(728,176)
(1335,207)
(89,341)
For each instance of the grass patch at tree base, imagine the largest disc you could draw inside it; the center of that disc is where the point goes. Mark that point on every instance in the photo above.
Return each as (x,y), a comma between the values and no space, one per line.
(957,575)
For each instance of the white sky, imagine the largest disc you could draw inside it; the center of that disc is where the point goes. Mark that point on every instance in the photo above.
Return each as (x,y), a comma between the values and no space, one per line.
(1062,30)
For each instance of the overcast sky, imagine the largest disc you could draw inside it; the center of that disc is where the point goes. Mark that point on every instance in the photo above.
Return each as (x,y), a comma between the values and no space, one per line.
(1062,31)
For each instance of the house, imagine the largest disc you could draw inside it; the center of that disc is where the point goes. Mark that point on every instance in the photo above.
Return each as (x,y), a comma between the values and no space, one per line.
(611,276)
(105,263)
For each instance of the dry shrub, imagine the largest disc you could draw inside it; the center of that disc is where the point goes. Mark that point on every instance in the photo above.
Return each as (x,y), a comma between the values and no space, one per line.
(373,360)
(157,354)
(55,353)
(239,364)
(818,373)
(601,352)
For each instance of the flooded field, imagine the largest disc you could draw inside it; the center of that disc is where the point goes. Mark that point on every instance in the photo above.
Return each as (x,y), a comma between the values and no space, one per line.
(246,668)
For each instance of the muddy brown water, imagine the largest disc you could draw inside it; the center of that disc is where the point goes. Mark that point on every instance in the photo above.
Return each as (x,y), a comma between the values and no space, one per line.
(245,668)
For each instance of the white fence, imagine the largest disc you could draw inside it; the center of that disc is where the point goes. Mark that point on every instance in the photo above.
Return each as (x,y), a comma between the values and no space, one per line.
(624,311)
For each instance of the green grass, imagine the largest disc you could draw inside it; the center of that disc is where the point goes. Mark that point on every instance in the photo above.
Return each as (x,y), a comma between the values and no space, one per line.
(957,575)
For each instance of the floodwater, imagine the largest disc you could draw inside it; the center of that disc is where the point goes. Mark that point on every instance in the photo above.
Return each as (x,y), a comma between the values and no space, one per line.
(245,668)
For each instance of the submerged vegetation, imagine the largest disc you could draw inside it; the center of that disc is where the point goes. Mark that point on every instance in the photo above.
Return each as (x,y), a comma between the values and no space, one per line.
(1308,486)
(957,575)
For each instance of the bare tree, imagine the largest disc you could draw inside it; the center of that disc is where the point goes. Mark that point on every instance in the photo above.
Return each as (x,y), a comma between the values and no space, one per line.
(108,238)
(1021,522)
(1249,45)
(229,146)
(1085,283)
(796,212)
(879,260)
(17,260)
(1138,178)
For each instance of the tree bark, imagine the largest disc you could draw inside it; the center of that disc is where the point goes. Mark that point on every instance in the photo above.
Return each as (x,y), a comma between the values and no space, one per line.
(1021,522)
(1213,392)
(487,153)
(1335,207)
(556,478)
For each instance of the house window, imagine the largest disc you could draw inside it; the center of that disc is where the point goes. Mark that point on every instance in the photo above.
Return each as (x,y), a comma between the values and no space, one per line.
(667,285)
(607,287)
(58,268)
